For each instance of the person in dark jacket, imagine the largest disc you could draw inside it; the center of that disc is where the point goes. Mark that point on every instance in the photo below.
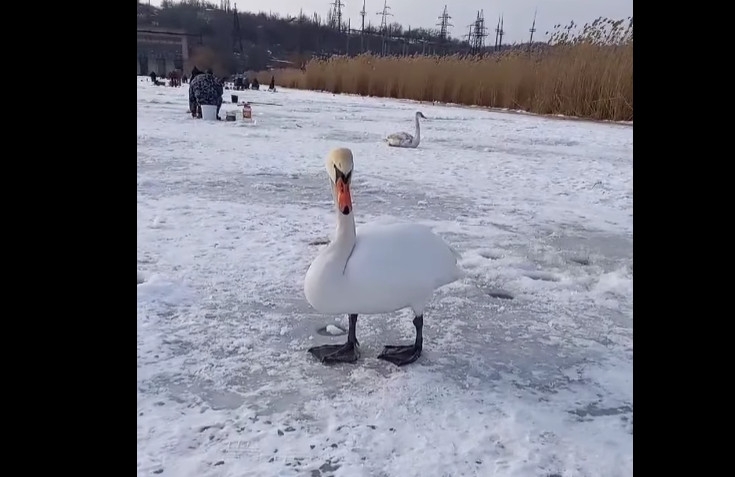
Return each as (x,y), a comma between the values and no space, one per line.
(192,99)
(204,89)
(256,84)
(174,79)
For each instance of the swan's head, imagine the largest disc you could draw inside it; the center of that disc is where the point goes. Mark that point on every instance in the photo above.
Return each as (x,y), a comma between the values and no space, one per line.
(419,114)
(339,169)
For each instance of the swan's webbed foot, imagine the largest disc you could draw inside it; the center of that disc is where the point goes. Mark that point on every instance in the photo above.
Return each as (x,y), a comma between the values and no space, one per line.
(344,353)
(400,355)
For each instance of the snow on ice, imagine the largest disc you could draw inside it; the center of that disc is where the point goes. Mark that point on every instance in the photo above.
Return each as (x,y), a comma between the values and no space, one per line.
(527,363)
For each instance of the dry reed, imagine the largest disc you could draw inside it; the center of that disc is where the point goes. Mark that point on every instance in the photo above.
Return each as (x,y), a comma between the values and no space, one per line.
(586,74)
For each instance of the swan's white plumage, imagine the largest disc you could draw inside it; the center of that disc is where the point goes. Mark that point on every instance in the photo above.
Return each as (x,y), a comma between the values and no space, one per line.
(391,267)
(403,139)
(400,139)
(379,268)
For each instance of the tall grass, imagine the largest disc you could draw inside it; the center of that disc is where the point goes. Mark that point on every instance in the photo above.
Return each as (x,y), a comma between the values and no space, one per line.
(587,73)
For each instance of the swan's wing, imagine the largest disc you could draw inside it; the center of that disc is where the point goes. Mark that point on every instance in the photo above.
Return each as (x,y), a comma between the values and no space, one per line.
(408,140)
(392,254)
(399,136)
(399,139)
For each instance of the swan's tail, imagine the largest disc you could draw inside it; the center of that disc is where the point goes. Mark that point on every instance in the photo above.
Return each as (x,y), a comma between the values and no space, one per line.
(460,272)
(455,252)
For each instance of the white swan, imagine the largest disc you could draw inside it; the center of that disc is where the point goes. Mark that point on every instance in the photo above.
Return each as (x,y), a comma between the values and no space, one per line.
(380,269)
(403,139)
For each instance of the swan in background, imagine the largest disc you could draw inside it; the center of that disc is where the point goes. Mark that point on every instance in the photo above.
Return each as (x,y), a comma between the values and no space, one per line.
(403,139)
(378,269)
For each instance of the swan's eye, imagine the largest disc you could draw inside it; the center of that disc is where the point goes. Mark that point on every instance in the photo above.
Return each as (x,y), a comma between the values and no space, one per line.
(339,174)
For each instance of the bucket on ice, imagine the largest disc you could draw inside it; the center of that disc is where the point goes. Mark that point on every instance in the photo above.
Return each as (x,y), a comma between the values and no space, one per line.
(233,97)
(209,112)
(247,112)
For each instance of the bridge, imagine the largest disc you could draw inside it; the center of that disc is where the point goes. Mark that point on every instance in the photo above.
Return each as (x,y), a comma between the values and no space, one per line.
(168,47)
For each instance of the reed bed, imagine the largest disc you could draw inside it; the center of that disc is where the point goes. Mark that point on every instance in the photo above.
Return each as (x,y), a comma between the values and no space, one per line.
(586,73)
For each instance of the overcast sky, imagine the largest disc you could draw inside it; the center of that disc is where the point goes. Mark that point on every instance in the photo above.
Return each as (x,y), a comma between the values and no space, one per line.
(518,14)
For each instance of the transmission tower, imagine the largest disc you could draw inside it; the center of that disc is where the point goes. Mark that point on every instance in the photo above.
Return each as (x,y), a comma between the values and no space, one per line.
(406,37)
(501,32)
(497,29)
(532,30)
(362,28)
(236,35)
(444,24)
(337,15)
(300,22)
(477,34)
(347,38)
(384,16)
(362,14)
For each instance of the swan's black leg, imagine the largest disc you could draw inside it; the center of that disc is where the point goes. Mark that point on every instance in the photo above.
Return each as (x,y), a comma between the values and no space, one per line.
(402,355)
(344,353)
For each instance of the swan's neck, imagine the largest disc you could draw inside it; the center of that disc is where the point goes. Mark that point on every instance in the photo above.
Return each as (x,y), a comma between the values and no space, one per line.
(344,240)
(418,130)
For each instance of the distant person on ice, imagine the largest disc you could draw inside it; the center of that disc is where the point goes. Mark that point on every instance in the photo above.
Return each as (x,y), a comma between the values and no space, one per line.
(272,86)
(173,78)
(204,89)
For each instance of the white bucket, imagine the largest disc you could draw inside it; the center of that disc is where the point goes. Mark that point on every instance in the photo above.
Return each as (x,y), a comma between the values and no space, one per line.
(209,112)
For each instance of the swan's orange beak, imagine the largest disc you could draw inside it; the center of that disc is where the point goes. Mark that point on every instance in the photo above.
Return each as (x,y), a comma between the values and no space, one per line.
(344,199)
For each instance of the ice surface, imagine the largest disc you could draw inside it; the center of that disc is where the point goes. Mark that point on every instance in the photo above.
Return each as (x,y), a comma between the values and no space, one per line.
(527,363)
(334,330)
